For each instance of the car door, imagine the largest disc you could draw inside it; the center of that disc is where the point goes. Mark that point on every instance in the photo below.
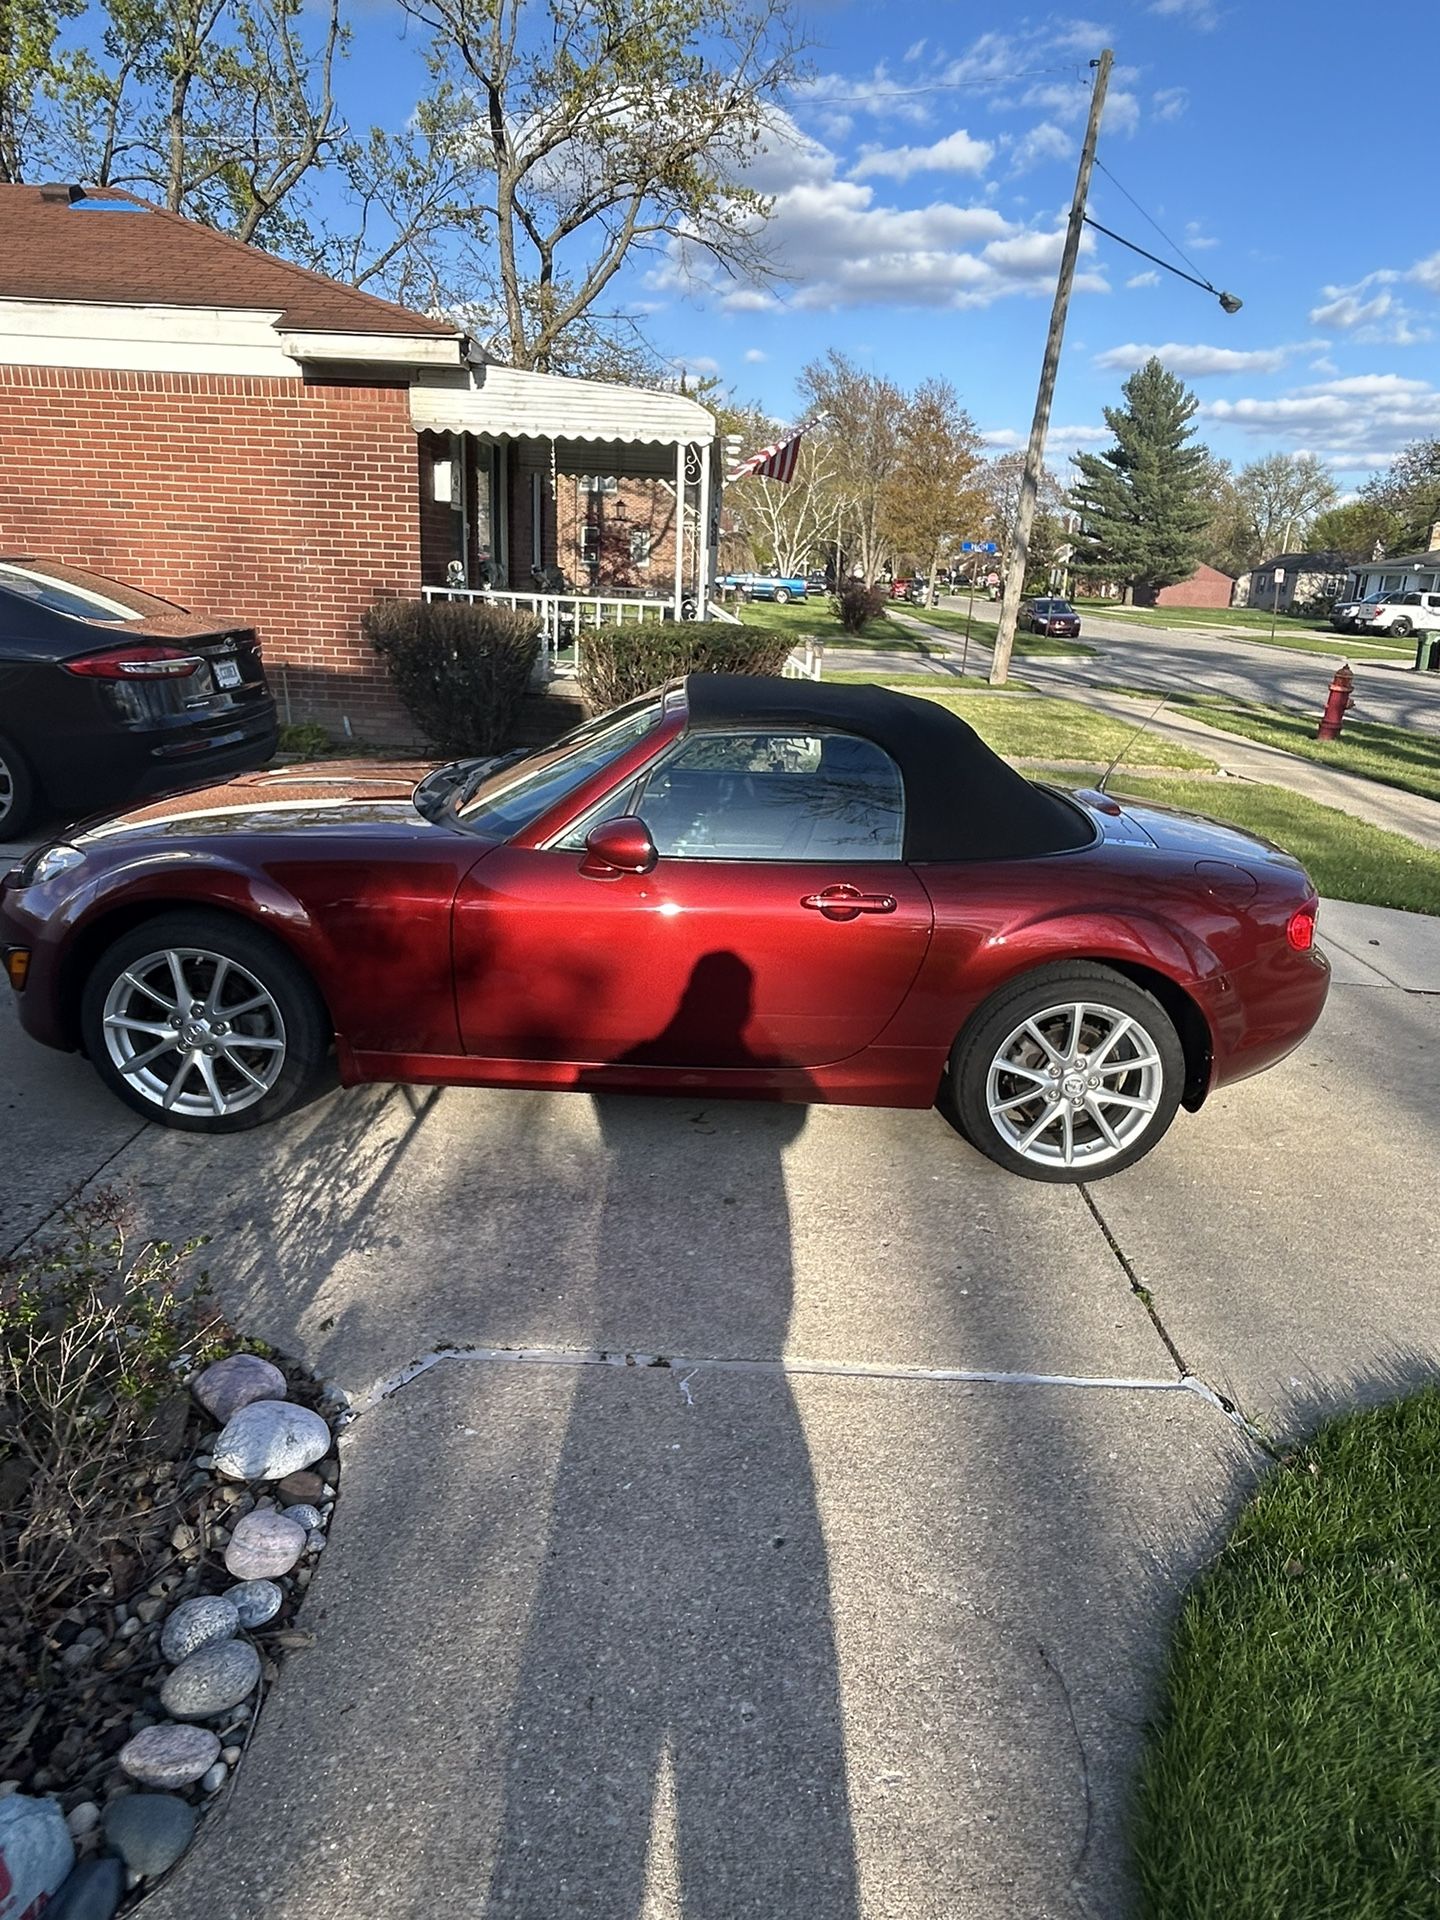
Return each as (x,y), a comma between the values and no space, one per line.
(779,927)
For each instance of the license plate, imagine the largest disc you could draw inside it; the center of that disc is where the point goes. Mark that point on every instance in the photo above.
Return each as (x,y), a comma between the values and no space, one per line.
(227,672)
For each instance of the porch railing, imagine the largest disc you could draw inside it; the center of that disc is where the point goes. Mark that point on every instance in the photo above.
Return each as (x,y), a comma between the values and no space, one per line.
(805,663)
(563,616)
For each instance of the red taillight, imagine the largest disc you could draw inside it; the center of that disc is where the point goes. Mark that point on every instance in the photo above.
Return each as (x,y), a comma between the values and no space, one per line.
(134,663)
(1300,929)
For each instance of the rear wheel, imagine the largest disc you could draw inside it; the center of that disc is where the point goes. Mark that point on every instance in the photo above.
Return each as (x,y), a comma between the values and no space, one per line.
(203,1023)
(1070,1074)
(781,596)
(17,792)
(1402,628)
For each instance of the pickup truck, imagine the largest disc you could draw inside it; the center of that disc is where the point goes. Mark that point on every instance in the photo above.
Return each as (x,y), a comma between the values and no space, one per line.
(779,587)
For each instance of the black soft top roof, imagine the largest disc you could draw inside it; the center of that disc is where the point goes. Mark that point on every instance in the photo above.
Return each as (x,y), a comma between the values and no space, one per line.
(962,802)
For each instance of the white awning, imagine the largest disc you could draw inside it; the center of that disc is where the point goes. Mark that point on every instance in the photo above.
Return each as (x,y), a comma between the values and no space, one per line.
(503,403)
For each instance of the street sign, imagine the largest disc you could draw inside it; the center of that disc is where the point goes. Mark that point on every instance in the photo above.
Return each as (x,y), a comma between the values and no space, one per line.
(978,546)
(1279,575)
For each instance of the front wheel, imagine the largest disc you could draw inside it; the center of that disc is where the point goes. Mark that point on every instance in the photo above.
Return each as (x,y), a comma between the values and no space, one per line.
(203,1023)
(781,596)
(1070,1074)
(17,793)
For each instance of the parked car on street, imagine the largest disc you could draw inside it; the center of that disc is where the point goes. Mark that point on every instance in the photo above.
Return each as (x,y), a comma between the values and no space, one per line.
(737,886)
(779,587)
(1401,614)
(1050,616)
(108,695)
(1346,616)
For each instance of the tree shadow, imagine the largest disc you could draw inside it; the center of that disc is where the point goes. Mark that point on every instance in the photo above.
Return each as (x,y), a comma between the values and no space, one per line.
(680,1652)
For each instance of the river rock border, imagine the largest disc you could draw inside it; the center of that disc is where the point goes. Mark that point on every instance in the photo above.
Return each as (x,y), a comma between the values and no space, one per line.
(203,1641)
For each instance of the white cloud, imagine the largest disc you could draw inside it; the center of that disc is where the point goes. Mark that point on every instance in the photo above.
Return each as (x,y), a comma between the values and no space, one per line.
(1194,362)
(1324,365)
(914,51)
(1147,279)
(1426,273)
(1199,13)
(879,94)
(754,356)
(1383,319)
(694,363)
(1346,312)
(1043,142)
(1168,103)
(840,246)
(1354,424)
(958,152)
(1196,236)
(1060,442)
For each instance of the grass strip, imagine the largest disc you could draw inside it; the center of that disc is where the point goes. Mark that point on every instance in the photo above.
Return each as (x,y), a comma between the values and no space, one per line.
(1044,727)
(1294,1769)
(1394,756)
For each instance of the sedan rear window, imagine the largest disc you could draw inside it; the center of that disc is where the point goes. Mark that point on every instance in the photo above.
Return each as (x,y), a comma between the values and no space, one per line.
(59,596)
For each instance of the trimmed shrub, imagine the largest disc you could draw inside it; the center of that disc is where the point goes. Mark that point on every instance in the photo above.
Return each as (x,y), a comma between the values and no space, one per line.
(855,605)
(620,663)
(460,667)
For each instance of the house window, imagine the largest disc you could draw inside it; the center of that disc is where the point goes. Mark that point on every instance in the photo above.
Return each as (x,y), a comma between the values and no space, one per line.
(537,520)
(590,543)
(640,546)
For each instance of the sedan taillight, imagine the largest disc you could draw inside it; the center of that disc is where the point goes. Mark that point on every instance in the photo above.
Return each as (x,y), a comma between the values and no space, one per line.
(1300,929)
(134,663)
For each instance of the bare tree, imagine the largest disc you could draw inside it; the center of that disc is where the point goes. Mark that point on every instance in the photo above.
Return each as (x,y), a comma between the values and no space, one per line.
(1280,495)
(606,129)
(858,414)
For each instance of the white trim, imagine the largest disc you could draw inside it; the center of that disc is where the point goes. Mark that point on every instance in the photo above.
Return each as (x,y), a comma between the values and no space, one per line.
(376,349)
(502,402)
(143,339)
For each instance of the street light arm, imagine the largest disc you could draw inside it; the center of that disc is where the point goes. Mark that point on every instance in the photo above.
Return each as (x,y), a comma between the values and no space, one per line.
(1227,300)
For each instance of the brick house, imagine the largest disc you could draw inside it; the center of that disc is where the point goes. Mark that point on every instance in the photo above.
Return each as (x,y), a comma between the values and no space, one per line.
(1205,587)
(255,441)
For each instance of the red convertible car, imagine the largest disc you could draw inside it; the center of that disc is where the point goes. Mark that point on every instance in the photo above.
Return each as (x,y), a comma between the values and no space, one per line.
(735,886)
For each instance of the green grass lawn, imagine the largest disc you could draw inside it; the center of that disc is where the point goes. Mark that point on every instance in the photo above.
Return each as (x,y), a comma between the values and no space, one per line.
(1346,858)
(812,620)
(1294,1773)
(1040,727)
(1398,756)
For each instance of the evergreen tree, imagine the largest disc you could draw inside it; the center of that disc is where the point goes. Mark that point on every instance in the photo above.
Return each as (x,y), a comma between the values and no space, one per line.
(1143,501)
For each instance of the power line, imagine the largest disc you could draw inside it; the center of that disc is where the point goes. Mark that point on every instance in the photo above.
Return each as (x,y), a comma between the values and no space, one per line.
(939,86)
(1174,245)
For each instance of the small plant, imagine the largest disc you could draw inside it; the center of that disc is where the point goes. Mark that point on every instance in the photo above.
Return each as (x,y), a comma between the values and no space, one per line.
(855,605)
(91,1327)
(306,741)
(620,663)
(461,668)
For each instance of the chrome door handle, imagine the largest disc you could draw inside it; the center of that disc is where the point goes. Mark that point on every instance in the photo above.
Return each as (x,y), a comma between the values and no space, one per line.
(848,903)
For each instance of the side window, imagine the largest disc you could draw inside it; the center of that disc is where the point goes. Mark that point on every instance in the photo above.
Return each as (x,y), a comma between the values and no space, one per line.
(775,796)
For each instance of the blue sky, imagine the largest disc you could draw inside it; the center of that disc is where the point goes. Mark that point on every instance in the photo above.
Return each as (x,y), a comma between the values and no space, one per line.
(921,180)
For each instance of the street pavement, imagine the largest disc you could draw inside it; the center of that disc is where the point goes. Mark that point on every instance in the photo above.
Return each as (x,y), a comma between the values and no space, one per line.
(856,1607)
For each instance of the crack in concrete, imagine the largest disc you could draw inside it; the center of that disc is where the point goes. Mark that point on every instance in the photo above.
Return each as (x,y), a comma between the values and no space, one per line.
(75,1192)
(788,1366)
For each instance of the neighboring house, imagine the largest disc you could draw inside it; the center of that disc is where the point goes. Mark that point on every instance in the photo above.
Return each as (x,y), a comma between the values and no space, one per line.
(1205,587)
(1295,582)
(231,431)
(1399,572)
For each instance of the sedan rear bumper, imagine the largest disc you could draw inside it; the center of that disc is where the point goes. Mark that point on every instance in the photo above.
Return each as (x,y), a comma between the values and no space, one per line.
(119,766)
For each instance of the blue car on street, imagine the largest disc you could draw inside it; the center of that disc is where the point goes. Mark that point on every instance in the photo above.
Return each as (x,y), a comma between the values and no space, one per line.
(779,587)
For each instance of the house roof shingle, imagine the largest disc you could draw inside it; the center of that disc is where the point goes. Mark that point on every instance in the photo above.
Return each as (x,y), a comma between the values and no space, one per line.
(1326,562)
(105,246)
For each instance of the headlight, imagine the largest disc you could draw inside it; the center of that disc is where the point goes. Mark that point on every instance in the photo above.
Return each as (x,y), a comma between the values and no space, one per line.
(48,864)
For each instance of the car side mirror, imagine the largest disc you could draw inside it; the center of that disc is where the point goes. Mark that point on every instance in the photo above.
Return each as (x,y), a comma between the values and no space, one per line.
(618,846)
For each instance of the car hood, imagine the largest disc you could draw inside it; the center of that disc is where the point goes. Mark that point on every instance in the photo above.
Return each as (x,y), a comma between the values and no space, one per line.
(320,795)
(1196,833)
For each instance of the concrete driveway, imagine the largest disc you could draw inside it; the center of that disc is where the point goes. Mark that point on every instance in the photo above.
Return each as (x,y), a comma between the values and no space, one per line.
(856,1606)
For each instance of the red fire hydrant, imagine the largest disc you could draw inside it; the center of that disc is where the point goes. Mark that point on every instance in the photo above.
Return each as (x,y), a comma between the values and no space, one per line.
(1342,693)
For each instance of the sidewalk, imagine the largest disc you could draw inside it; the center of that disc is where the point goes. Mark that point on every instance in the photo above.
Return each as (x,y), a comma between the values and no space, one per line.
(1388,807)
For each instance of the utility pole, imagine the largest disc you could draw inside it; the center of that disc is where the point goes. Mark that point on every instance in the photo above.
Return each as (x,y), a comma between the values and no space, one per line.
(1035,452)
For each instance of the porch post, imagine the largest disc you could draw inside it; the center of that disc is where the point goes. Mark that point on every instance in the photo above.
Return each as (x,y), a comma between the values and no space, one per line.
(679,527)
(702,539)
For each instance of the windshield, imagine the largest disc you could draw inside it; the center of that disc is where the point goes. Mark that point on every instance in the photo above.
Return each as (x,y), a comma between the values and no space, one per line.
(514,796)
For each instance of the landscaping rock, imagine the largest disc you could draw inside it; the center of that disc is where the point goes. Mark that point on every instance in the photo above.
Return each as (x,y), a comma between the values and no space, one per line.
(268,1439)
(214,1778)
(264,1545)
(211,1681)
(169,1756)
(303,1515)
(92,1891)
(231,1756)
(230,1384)
(149,1831)
(80,1820)
(199,1623)
(305,1485)
(36,1852)
(256,1602)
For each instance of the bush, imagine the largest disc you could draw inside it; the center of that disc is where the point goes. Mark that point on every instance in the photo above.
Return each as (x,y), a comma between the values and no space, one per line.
(460,667)
(620,663)
(90,1330)
(855,605)
(308,740)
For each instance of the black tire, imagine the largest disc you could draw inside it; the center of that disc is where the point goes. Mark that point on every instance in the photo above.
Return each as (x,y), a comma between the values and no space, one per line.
(17,792)
(1402,628)
(305,1027)
(1049,989)
(781,596)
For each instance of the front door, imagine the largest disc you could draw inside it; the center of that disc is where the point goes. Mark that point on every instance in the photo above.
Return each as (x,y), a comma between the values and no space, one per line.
(779,928)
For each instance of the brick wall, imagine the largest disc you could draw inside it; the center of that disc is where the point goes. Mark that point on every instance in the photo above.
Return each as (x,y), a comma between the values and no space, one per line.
(287,505)
(1206,587)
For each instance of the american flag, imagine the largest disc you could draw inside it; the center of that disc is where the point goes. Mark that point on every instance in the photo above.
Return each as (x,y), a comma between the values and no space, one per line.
(775,462)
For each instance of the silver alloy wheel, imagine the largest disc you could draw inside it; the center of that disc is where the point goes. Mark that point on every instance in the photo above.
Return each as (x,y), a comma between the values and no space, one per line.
(7,790)
(1074,1085)
(194,1032)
